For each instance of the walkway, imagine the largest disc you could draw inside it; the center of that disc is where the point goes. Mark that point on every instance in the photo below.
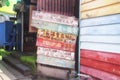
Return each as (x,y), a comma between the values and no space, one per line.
(8,73)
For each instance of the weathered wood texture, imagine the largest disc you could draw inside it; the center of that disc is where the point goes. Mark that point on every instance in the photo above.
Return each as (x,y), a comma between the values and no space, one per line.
(104,20)
(54,18)
(101,75)
(55,62)
(100,8)
(55,53)
(104,62)
(86,1)
(100,40)
(101,33)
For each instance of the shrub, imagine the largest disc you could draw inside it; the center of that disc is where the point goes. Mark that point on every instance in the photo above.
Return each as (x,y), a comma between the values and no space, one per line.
(30,61)
(4,53)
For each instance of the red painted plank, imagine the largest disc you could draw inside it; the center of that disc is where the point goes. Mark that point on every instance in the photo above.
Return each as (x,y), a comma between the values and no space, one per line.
(99,74)
(113,58)
(55,44)
(112,68)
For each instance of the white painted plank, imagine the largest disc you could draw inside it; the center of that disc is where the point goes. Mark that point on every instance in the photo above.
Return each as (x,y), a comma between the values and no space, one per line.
(115,48)
(100,39)
(112,19)
(55,62)
(102,30)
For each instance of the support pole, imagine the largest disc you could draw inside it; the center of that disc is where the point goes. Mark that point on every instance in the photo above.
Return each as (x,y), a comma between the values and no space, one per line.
(22,31)
(79,44)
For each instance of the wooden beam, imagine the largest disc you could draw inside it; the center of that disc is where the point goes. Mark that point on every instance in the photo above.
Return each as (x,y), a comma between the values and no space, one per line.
(98,4)
(108,10)
(86,1)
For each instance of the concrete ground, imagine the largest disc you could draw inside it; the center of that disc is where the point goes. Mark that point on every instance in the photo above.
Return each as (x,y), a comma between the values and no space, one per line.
(8,73)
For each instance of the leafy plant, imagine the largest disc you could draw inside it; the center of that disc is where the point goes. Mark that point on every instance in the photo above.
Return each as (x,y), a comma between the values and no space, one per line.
(4,3)
(4,53)
(30,61)
(0,57)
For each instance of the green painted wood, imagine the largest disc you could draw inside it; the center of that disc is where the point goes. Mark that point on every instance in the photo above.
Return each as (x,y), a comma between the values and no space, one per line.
(55,27)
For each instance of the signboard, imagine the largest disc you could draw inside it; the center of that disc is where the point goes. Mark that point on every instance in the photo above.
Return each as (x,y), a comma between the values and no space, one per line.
(55,27)
(52,35)
(57,62)
(54,18)
(56,38)
(55,44)
(55,53)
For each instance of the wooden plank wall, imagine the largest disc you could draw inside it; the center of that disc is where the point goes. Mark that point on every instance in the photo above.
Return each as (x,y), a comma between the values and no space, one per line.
(94,8)
(100,39)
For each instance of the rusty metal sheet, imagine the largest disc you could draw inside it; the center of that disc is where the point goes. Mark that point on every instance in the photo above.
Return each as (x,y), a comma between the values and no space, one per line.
(55,62)
(33,1)
(64,7)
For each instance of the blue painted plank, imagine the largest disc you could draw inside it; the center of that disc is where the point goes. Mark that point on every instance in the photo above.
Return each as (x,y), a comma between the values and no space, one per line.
(101,30)
(112,19)
(100,39)
(55,27)
(114,48)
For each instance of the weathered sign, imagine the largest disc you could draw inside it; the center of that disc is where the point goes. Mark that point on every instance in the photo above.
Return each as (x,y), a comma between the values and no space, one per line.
(55,18)
(55,27)
(56,39)
(55,44)
(67,38)
(55,53)
(55,62)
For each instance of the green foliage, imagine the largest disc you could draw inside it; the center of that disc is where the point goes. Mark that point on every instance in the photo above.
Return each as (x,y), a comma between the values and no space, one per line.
(30,61)
(7,3)
(4,53)
(4,3)
(0,57)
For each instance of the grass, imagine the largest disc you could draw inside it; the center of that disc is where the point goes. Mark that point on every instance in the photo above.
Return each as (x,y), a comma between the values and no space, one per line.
(0,58)
(3,53)
(30,61)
